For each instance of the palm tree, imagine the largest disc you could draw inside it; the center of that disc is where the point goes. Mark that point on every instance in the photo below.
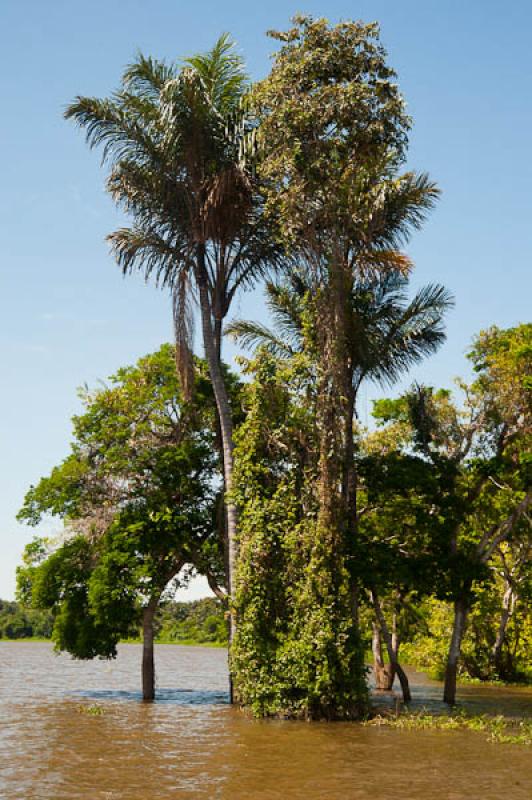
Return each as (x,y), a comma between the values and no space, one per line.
(175,139)
(387,333)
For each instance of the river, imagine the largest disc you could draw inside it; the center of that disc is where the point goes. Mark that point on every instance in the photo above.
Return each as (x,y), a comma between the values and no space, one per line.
(72,730)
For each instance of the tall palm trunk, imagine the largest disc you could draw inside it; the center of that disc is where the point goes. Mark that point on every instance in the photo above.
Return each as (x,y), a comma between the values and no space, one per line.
(349,476)
(224,415)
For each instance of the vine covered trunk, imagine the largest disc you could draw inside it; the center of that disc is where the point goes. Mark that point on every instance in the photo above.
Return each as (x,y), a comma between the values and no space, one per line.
(332,585)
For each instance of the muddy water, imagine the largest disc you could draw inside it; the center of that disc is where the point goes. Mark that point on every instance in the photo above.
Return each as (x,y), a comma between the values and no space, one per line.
(192,744)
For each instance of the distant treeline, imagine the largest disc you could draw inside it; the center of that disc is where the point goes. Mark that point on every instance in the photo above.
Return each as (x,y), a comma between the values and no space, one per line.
(19,622)
(196,622)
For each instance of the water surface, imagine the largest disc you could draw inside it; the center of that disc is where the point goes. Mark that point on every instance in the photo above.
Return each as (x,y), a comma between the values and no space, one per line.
(192,744)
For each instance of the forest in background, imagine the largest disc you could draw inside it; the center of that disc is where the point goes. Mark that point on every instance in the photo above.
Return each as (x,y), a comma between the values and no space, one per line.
(193,622)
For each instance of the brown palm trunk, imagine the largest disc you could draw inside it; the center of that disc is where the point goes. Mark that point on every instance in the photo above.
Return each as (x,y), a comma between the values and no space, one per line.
(335,408)
(349,476)
(221,396)
(451,670)
(223,406)
(148,662)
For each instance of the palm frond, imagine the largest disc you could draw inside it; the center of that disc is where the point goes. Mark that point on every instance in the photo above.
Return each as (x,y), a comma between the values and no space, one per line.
(252,335)
(222,72)
(146,77)
(408,334)
(151,253)
(383,261)
(401,207)
(109,125)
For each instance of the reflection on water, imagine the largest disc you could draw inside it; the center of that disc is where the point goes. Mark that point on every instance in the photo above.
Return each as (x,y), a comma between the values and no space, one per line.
(192,744)
(174,696)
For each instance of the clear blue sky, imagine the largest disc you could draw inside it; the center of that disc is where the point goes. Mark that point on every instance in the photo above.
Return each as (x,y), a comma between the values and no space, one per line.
(67,316)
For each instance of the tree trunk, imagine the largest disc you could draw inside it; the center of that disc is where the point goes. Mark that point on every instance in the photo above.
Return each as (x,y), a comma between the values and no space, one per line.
(226,427)
(349,476)
(334,410)
(384,674)
(460,620)
(392,655)
(224,410)
(508,602)
(148,663)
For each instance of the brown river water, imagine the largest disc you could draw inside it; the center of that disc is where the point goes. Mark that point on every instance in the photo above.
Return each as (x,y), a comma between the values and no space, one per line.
(192,744)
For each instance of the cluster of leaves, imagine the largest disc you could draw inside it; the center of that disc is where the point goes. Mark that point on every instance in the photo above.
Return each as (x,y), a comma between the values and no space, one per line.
(290,651)
(461,530)
(138,496)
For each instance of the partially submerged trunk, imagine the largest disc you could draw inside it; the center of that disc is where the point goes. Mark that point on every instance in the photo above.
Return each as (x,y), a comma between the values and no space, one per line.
(384,673)
(508,603)
(392,653)
(461,609)
(148,661)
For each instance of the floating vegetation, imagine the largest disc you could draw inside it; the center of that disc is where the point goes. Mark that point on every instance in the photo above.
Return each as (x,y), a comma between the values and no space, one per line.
(496,729)
(93,710)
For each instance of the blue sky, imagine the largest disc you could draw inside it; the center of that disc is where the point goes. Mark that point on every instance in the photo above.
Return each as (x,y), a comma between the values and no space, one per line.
(66,314)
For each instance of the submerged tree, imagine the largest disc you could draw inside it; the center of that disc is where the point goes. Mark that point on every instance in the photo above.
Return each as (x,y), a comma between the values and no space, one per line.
(332,137)
(393,333)
(137,495)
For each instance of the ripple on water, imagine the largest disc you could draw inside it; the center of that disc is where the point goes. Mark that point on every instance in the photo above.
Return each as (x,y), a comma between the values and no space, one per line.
(192,744)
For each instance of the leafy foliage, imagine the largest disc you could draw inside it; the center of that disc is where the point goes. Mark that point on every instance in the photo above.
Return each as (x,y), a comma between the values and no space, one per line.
(138,495)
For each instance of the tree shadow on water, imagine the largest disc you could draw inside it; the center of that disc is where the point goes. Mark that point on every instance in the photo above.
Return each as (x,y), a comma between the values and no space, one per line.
(186,697)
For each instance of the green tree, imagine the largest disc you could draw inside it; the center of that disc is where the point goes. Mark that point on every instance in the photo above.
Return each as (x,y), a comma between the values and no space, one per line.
(137,495)
(332,138)
(480,450)
(18,621)
(389,335)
